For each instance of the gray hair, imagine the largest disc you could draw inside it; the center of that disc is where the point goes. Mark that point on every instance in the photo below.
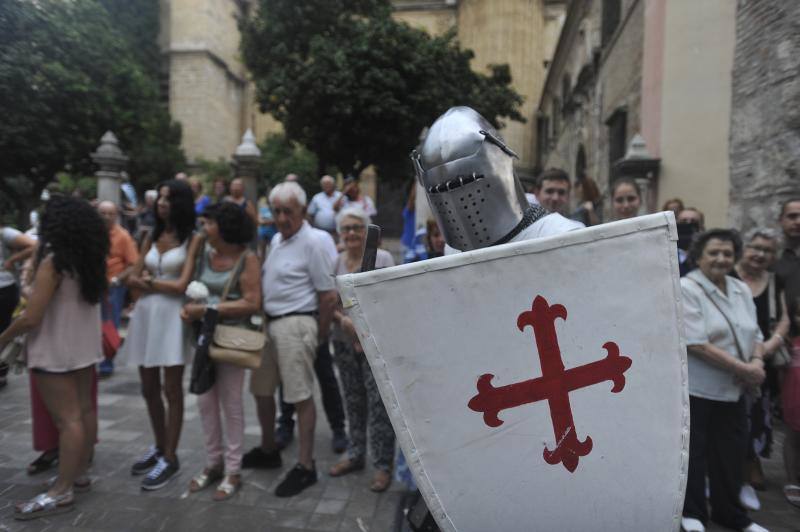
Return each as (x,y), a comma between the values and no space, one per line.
(151,194)
(327,178)
(353,212)
(766,233)
(287,190)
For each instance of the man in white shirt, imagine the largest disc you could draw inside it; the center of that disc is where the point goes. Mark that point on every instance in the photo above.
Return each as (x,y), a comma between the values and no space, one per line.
(328,385)
(320,211)
(299,298)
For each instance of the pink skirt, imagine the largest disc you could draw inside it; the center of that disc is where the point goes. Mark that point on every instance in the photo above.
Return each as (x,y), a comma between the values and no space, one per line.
(45,433)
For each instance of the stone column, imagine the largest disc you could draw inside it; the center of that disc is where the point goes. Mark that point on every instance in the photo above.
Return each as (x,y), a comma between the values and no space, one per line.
(112,162)
(246,159)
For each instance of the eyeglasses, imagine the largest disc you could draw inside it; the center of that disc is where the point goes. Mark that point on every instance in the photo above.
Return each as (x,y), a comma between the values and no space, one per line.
(355,228)
(759,249)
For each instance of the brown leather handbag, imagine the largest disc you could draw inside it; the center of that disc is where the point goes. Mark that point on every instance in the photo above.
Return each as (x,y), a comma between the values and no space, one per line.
(236,344)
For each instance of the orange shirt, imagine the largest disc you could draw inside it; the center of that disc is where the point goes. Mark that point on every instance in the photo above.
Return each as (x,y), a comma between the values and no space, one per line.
(122,252)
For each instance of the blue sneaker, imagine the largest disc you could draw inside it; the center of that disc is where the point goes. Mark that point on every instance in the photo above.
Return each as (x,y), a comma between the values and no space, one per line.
(106,368)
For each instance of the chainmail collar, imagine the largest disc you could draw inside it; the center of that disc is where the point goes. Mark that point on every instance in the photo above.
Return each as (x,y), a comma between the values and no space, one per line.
(532,214)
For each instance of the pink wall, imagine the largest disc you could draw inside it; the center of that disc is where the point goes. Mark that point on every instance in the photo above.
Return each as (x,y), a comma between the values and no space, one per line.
(652,73)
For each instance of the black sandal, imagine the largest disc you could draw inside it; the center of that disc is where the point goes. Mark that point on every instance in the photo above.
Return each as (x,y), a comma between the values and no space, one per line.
(45,461)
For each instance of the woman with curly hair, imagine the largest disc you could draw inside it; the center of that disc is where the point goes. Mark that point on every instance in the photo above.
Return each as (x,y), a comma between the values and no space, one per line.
(226,260)
(156,336)
(64,343)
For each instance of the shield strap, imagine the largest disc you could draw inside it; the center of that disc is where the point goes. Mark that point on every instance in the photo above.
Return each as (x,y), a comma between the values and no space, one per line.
(532,214)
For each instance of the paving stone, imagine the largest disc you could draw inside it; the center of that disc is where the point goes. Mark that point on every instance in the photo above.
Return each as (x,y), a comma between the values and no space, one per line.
(117,503)
(330,506)
(328,522)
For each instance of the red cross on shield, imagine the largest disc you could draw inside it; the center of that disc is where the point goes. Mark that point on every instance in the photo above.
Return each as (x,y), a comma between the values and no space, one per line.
(554,385)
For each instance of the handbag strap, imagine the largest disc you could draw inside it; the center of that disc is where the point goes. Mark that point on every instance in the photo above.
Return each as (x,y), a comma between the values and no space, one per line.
(727,320)
(235,274)
(773,304)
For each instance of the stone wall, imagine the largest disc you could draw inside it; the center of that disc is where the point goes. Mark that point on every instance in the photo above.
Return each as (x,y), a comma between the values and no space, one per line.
(600,80)
(207,102)
(765,122)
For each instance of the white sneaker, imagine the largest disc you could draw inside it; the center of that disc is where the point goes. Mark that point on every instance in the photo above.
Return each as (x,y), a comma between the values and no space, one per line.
(690,524)
(748,498)
(755,528)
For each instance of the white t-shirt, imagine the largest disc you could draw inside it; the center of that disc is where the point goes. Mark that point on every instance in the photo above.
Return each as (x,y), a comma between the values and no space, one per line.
(321,208)
(295,270)
(7,237)
(552,224)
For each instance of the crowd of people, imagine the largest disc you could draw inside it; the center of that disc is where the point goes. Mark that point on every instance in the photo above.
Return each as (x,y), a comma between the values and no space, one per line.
(270,266)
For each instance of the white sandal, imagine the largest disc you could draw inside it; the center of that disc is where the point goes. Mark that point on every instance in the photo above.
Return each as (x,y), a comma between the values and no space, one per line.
(44,505)
(792,494)
(226,489)
(204,479)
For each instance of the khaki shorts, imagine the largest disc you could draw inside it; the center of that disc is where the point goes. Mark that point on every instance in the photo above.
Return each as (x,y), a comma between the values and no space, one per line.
(288,359)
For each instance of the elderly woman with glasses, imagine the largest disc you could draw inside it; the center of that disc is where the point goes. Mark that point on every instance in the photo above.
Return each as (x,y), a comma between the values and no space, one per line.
(365,410)
(759,254)
(726,358)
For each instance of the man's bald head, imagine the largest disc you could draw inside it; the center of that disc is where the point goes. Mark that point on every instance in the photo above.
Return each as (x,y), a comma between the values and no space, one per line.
(328,184)
(108,212)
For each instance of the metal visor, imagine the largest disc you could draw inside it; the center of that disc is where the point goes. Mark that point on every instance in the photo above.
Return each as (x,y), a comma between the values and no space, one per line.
(475,199)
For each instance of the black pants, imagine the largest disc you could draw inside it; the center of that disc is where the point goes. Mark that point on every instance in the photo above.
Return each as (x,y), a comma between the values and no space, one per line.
(331,398)
(717,446)
(9,298)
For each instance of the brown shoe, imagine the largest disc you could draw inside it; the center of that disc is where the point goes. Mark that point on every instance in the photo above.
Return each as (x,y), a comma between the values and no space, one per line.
(381,481)
(348,465)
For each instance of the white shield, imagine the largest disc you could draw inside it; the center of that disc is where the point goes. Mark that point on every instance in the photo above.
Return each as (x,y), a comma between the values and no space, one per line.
(538,385)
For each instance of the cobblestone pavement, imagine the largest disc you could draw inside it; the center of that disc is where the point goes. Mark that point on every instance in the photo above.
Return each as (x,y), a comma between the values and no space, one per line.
(116,502)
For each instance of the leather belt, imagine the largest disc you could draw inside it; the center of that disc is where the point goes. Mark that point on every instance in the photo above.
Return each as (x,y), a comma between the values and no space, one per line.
(307,313)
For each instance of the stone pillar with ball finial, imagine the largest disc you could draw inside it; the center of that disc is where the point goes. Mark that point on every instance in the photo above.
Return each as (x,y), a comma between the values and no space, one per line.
(112,161)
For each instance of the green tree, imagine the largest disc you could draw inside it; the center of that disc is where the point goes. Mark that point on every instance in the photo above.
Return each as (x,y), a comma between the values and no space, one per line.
(66,76)
(280,157)
(357,87)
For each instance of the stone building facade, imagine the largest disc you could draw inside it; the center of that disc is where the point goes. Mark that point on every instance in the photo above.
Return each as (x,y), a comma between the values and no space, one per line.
(522,33)
(207,85)
(765,124)
(209,93)
(657,68)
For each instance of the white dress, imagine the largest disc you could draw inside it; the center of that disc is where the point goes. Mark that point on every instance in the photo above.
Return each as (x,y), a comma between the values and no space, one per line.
(156,334)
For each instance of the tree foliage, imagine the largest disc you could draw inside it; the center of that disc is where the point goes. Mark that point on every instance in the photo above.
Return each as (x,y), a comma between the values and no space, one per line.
(68,74)
(358,87)
(280,157)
